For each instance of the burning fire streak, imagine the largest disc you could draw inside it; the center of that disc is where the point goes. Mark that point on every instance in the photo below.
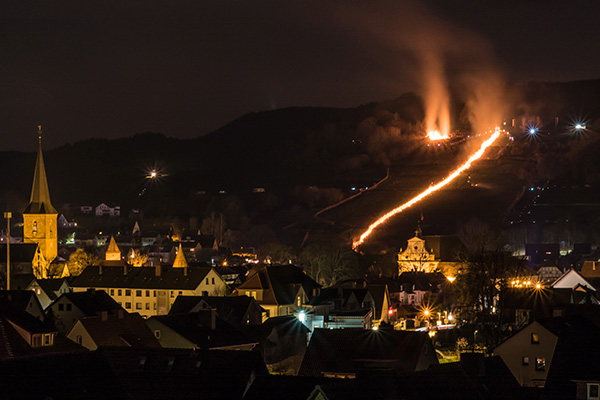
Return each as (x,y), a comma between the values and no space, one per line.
(475,156)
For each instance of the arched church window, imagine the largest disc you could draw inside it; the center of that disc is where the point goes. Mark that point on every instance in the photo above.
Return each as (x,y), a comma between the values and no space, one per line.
(34,226)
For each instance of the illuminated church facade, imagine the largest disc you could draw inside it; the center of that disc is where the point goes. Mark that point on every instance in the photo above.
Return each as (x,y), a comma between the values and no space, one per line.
(40,219)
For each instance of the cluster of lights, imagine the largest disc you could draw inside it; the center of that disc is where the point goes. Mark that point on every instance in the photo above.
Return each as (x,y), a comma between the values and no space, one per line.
(475,156)
(517,283)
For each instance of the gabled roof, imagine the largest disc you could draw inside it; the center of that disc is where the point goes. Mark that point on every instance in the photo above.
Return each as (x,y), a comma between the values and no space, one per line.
(19,252)
(20,298)
(128,330)
(346,350)
(39,201)
(178,374)
(281,282)
(231,309)
(570,279)
(141,277)
(13,345)
(92,302)
(55,377)
(196,328)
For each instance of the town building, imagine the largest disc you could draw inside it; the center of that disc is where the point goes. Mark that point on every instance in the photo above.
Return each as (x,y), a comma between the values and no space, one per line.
(279,289)
(434,253)
(121,330)
(40,218)
(150,290)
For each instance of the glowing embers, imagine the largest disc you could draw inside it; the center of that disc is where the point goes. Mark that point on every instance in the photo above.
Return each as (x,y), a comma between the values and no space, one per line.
(475,156)
(436,135)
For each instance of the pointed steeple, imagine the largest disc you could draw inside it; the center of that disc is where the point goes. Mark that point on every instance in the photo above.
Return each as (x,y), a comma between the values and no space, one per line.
(112,252)
(180,261)
(39,202)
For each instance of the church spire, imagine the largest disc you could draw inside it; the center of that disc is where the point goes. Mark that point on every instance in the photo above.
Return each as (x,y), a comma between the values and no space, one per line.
(39,202)
(180,261)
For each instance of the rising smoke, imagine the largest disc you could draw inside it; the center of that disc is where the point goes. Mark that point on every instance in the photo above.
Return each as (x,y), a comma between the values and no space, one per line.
(438,55)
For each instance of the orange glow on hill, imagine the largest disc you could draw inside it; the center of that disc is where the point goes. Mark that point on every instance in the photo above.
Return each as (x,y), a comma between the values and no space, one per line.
(474,157)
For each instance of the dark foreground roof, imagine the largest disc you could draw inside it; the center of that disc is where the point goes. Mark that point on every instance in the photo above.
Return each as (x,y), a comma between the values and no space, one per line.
(141,277)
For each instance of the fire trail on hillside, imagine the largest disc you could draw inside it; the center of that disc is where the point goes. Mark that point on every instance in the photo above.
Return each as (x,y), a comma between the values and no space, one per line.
(474,157)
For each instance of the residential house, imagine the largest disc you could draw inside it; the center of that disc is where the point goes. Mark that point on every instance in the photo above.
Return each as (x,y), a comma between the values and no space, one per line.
(416,287)
(279,289)
(571,279)
(23,335)
(202,329)
(282,342)
(25,300)
(235,310)
(104,209)
(349,351)
(22,257)
(553,353)
(71,306)
(47,290)
(150,290)
(129,330)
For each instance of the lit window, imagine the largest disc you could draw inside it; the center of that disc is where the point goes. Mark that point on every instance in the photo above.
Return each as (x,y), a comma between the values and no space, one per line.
(535,338)
(540,364)
(593,391)
(34,226)
(48,339)
(524,360)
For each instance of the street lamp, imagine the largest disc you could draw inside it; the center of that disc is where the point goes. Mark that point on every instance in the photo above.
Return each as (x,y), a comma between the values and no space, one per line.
(8,216)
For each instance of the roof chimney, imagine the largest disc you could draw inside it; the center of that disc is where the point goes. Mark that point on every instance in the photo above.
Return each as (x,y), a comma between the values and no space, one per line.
(185,271)
(158,270)
(125,269)
(103,315)
(100,269)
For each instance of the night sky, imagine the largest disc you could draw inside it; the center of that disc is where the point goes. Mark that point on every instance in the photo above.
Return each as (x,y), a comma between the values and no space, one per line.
(183,68)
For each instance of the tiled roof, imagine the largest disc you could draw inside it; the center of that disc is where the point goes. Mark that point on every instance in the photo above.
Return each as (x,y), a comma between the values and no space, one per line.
(231,309)
(92,302)
(19,252)
(345,350)
(196,328)
(126,330)
(178,374)
(141,277)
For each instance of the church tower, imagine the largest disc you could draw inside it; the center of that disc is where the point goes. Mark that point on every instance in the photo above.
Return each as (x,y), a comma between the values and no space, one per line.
(112,252)
(40,217)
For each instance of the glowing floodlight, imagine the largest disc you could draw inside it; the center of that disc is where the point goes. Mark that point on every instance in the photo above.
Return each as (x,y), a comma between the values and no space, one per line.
(532,131)
(302,316)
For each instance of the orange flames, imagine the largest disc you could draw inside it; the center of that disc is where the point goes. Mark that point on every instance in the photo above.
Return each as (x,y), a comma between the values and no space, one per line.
(436,135)
(474,157)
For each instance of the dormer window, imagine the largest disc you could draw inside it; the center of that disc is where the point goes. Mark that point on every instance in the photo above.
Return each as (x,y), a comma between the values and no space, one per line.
(34,226)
